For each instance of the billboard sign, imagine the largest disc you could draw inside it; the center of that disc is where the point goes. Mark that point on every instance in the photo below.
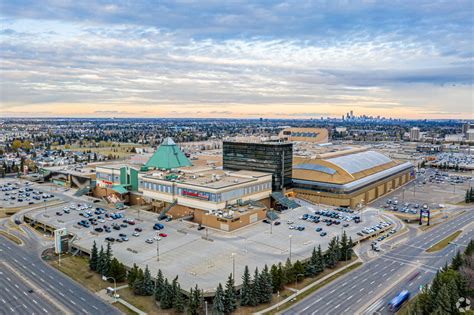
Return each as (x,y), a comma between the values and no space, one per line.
(58,234)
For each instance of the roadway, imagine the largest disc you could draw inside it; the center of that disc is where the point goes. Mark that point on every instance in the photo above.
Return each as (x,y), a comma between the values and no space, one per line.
(378,280)
(53,292)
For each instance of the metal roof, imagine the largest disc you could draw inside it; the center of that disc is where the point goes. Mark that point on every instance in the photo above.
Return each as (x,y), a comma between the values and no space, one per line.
(168,156)
(358,162)
(315,167)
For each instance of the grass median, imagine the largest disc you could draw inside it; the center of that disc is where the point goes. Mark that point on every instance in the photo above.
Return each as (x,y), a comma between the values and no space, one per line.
(11,237)
(443,243)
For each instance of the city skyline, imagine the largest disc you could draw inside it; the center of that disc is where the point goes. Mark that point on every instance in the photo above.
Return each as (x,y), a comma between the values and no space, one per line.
(238,60)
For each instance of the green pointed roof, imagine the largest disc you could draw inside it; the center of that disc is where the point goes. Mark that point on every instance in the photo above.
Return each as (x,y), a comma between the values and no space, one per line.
(168,156)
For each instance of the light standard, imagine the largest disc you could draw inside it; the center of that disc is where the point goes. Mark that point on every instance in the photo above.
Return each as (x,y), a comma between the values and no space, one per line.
(105,278)
(157,249)
(319,199)
(233,265)
(403,195)
(361,210)
(290,236)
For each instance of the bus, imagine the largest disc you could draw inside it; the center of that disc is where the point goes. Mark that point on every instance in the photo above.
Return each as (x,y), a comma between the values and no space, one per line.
(397,301)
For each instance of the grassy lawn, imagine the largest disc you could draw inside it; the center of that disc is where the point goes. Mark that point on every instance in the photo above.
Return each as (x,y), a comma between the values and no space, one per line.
(11,237)
(124,309)
(121,152)
(319,285)
(77,268)
(443,243)
(145,303)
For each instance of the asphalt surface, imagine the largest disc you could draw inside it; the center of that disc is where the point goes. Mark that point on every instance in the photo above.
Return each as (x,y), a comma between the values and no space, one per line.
(369,288)
(53,292)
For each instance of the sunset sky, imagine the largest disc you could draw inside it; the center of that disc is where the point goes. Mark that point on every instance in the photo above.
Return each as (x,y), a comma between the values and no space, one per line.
(243,59)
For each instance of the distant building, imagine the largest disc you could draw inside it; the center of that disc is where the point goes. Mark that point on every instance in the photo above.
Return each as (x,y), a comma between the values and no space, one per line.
(470,135)
(465,128)
(315,135)
(270,157)
(458,137)
(415,134)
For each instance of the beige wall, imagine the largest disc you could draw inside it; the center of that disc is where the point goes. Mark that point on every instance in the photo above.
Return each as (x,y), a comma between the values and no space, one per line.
(367,194)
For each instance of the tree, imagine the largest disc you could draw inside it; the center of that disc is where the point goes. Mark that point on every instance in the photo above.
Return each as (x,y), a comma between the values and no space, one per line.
(265,286)
(93,258)
(290,275)
(276,278)
(218,301)
(178,300)
(332,254)
(166,298)
(255,289)
(159,285)
(457,261)
(16,144)
(138,287)
(298,269)
(230,296)
(117,270)
(132,275)
(245,291)
(107,259)
(194,300)
(101,262)
(147,283)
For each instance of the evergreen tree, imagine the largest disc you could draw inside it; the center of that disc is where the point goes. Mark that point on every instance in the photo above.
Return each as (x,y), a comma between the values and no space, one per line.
(266,286)
(319,260)
(282,275)
(101,262)
(117,270)
(218,307)
(166,300)
(245,291)
(93,260)
(298,269)
(132,275)
(138,287)
(255,289)
(290,275)
(230,296)
(178,299)
(276,278)
(159,285)
(332,254)
(107,259)
(195,301)
(147,283)
(457,261)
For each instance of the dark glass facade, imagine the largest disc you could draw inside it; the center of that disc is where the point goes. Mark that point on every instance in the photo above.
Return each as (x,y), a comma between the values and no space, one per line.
(269,157)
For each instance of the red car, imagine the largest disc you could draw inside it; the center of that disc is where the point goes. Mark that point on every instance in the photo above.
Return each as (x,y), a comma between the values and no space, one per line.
(131,222)
(163,235)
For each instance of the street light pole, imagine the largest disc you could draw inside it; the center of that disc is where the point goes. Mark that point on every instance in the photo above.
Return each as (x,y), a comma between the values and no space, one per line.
(157,250)
(233,265)
(105,278)
(290,245)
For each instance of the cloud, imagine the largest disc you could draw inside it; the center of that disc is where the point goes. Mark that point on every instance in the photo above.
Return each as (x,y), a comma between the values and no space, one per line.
(217,56)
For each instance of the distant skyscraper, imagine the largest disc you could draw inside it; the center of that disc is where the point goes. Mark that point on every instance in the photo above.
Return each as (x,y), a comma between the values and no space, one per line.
(415,134)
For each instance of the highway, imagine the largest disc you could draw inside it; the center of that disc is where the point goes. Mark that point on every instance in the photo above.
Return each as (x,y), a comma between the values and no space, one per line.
(53,292)
(370,287)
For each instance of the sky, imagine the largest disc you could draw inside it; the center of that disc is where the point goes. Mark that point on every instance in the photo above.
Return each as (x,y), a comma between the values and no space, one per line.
(237,59)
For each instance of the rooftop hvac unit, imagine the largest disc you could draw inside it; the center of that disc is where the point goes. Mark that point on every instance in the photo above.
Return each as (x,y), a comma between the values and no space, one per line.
(236,180)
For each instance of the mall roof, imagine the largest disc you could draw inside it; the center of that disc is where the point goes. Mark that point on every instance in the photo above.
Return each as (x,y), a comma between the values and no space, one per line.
(358,162)
(168,156)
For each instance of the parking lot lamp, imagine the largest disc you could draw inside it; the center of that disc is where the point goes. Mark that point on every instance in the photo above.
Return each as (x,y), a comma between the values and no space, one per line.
(105,278)
(319,200)
(157,250)
(290,236)
(233,265)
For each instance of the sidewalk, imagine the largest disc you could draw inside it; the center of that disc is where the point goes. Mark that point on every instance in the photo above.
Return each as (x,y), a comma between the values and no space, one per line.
(291,297)
(106,297)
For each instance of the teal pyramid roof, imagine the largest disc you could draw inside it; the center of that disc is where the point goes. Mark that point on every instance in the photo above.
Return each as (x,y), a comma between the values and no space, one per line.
(168,156)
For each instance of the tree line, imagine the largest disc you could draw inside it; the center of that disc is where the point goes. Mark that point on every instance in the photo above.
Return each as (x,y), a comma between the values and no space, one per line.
(254,291)
(453,284)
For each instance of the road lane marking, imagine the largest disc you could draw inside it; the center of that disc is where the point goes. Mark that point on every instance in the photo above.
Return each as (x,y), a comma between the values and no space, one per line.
(34,301)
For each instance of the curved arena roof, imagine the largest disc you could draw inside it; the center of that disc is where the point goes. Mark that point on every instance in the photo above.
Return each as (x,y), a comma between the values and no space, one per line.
(358,162)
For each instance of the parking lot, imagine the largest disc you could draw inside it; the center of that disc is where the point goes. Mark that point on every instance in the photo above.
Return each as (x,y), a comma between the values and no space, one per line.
(17,193)
(437,192)
(185,251)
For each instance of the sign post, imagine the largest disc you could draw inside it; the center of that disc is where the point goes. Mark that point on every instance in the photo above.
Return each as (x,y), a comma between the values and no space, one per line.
(58,234)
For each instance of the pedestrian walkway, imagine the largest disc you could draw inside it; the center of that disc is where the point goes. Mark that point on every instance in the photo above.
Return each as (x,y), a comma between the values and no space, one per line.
(110,299)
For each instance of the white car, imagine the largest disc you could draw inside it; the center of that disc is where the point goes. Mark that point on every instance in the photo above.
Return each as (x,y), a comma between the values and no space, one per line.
(136,234)
(156,238)
(291,227)
(101,220)
(290,222)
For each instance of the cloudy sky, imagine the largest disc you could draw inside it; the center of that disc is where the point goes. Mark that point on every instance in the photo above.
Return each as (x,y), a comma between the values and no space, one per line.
(213,58)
